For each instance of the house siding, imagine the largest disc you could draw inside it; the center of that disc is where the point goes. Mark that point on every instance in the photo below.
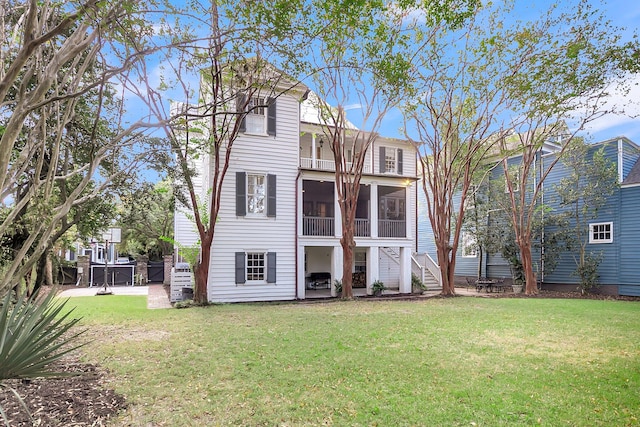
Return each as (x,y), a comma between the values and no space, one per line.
(262,155)
(630,247)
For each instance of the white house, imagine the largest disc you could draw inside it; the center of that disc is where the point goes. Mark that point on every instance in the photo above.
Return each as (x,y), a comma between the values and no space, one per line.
(278,230)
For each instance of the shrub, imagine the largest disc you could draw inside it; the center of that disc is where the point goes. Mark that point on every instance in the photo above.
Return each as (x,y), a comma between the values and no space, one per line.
(32,336)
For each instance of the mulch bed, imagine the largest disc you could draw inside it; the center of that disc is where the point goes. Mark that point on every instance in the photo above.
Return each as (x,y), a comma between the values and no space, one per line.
(82,399)
(567,295)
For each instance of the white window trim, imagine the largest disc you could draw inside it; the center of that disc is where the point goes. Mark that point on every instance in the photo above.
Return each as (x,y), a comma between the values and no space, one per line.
(252,112)
(264,200)
(264,267)
(515,182)
(593,241)
(468,240)
(395,161)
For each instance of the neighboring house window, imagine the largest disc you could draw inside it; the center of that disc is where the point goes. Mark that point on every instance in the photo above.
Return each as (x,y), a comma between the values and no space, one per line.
(255,267)
(255,194)
(515,181)
(601,232)
(258,115)
(469,245)
(391,160)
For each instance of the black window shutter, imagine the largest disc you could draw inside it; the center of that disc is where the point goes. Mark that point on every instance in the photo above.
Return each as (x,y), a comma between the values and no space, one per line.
(240,268)
(271,267)
(382,160)
(271,195)
(241,193)
(271,116)
(241,100)
(399,161)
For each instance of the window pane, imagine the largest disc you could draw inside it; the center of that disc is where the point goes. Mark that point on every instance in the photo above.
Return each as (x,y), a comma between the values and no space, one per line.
(255,193)
(390,159)
(256,117)
(255,266)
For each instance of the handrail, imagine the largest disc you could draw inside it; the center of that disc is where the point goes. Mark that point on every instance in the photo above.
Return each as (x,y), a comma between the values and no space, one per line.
(433,268)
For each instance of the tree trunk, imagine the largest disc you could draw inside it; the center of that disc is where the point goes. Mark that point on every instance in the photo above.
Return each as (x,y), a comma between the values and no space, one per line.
(445,271)
(201,273)
(348,244)
(531,287)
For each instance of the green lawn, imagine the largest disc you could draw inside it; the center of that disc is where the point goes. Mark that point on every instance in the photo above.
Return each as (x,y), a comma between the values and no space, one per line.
(438,362)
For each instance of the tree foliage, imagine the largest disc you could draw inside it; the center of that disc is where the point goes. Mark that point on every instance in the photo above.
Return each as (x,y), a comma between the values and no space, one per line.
(146,219)
(590,180)
(62,140)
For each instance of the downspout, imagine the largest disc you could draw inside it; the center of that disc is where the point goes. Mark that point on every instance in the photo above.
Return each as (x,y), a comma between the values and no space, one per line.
(416,206)
(542,241)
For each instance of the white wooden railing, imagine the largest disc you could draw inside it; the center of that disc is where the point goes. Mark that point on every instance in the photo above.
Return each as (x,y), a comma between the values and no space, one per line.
(362,228)
(317,226)
(327,165)
(392,228)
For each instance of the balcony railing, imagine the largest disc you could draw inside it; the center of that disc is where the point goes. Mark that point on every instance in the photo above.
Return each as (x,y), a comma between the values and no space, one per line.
(317,226)
(362,228)
(392,228)
(327,165)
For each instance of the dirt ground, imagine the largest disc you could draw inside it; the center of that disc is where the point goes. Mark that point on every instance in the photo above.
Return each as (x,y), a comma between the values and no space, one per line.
(85,399)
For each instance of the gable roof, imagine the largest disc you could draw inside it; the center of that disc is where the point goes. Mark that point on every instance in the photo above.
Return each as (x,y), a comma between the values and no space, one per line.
(634,175)
(311,112)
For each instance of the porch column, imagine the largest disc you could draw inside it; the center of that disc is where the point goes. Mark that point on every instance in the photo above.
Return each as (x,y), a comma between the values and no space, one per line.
(313,151)
(337,213)
(336,267)
(407,212)
(373,267)
(405,270)
(373,196)
(300,279)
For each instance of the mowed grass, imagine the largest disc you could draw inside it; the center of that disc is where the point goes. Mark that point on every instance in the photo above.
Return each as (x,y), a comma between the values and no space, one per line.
(437,362)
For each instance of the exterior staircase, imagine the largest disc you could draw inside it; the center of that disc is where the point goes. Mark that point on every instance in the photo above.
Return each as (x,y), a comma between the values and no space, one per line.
(422,265)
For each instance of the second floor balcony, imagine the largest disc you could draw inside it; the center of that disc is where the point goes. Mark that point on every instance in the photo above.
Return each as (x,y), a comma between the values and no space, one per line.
(327,164)
(325,227)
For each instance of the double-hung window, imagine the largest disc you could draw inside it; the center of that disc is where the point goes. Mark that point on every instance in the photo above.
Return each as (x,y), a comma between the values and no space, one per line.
(601,232)
(255,267)
(256,193)
(391,160)
(469,245)
(256,116)
(255,263)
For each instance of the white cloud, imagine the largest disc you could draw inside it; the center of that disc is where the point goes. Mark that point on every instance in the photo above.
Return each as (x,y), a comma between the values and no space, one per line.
(627,118)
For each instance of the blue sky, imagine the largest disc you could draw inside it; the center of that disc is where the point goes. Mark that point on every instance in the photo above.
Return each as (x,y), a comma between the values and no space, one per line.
(621,13)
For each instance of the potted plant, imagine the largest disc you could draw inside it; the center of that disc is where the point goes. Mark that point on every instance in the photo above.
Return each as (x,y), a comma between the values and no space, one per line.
(337,284)
(377,288)
(417,286)
(517,286)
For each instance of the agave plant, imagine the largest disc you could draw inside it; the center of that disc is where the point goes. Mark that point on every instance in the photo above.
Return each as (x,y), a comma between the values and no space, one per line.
(32,336)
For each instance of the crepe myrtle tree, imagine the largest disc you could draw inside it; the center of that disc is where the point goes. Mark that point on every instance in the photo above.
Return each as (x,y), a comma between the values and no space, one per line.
(367,63)
(239,69)
(62,137)
(451,123)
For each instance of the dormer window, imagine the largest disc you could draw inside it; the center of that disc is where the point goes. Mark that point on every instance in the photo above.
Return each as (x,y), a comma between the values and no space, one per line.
(391,160)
